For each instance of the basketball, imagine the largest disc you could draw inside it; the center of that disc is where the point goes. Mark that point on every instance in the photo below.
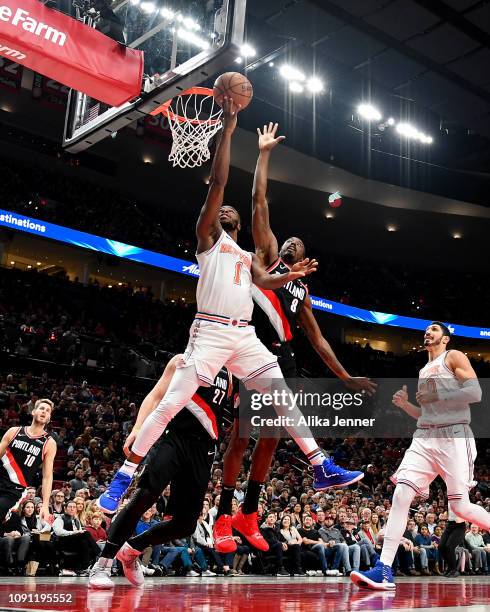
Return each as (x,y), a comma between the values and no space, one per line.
(234,85)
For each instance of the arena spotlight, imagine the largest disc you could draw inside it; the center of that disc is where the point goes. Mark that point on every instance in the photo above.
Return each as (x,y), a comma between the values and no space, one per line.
(192,38)
(296,87)
(410,131)
(247,50)
(390,121)
(165,12)
(291,74)
(457,235)
(148,7)
(391,228)
(369,112)
(314,85)
(135,2)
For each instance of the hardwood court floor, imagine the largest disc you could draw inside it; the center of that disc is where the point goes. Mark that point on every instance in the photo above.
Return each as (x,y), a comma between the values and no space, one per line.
(244,594)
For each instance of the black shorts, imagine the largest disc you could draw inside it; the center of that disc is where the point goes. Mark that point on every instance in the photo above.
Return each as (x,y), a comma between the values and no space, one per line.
(184,461)
(285,358)
(10,493)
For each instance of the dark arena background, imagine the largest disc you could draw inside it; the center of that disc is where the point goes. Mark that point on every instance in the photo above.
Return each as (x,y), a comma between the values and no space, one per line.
(383,176)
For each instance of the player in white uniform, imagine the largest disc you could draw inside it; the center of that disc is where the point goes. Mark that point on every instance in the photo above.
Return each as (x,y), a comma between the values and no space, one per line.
(443,445)
(220,334)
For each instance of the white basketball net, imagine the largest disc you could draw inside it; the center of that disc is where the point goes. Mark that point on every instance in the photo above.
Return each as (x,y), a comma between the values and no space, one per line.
(191,132)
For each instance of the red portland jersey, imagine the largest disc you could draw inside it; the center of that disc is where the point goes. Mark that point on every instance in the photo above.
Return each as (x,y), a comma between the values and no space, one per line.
(281,306)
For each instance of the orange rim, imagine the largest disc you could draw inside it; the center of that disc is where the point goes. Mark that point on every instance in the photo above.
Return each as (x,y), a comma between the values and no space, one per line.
(165,107)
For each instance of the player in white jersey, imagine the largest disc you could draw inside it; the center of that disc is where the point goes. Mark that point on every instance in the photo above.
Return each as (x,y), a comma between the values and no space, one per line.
(443,445)
(221,334)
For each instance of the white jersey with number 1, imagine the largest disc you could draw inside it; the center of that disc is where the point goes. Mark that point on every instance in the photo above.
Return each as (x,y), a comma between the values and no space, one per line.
(225,281)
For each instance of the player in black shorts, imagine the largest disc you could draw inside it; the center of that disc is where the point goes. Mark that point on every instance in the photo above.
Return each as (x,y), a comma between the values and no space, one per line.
(182,457)
(276,315)
(22,452)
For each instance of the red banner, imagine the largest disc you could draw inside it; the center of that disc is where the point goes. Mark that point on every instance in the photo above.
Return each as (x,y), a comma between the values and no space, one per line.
(68,51)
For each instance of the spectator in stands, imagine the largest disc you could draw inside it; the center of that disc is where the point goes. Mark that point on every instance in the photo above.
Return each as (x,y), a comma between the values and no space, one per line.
(77,482)
(41,549)
(95,529)
(367,551)
(14,544)
(375,525)
(80,510)
(296,515)
(476,546)
(57,506)
(312,542)
(425,547)
(332,535)
(277,548)
(290,536)
(72,538)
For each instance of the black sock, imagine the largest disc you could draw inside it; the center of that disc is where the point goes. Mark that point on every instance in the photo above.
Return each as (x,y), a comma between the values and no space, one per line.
(225,501)
(110,550)
(251,501)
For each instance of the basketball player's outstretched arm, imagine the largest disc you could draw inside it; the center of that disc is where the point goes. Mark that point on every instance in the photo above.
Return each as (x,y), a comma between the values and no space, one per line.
(151,401)
(208,228)
(263,279)
(266,247)
(309,325)
(47,483)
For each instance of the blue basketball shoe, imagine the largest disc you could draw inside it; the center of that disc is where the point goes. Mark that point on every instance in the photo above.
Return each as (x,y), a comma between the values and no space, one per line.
(109,500)
(328,474)
(380,578)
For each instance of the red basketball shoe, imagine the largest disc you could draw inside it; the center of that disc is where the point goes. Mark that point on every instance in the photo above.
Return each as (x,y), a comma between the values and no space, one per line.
(248,526)
(223,539)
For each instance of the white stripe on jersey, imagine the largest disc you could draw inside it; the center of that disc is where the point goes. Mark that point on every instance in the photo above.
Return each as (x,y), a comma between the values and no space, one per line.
(225,282)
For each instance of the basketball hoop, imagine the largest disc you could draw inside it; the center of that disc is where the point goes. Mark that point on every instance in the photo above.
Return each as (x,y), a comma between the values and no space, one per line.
(194,118)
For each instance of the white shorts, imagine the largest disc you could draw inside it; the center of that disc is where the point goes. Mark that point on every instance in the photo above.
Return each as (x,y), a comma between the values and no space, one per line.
(451,455)
(213,345)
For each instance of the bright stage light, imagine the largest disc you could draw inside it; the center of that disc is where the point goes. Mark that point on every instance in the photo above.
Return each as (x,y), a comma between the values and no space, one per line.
(296,87)
(291,73)
(148,7)
(192,38)
(247,50)
(369,112)
(314,85)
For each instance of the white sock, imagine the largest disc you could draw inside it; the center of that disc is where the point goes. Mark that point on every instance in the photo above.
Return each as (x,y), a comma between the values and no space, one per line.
(128,468)
(316,456)
(397,522)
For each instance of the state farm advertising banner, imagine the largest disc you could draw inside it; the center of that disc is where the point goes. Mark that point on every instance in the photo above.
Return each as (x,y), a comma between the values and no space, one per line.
(68,51)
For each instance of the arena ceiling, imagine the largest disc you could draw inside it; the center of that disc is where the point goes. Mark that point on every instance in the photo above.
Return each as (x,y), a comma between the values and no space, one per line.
(422,62)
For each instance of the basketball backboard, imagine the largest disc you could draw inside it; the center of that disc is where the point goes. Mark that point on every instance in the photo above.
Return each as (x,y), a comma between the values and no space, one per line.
(184,44)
